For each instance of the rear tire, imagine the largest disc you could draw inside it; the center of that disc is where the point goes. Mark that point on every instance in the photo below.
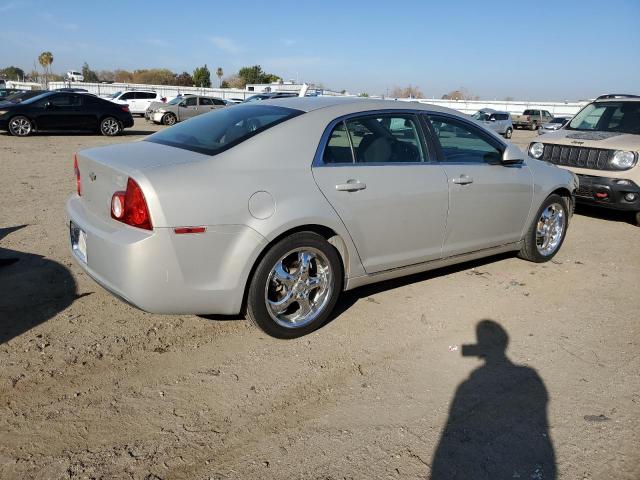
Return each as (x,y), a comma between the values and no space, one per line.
(295,286)
(508,133)
(20,126)
(169,119)
(548,230)
(110,127)
(638,219)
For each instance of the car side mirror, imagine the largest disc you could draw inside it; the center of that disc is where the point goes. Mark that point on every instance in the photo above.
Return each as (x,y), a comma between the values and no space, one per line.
(512,156)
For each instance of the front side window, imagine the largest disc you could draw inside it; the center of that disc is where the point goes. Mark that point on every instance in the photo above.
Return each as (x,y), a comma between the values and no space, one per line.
(66,100)
(127,96)
(191,102)
(620,117)
(460,142)
(223,128)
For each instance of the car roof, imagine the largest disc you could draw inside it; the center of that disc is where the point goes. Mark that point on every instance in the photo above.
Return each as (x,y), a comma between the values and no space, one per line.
(355,104)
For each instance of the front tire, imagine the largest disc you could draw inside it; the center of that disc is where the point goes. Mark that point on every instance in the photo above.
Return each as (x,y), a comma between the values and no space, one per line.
(547,231)
(110,127)
(533,126)
(638,219)
(295,286)
(20,126)
(169,119)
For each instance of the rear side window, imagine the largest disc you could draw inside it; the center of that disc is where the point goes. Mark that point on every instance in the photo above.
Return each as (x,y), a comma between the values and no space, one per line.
(217,101)
(375,139)
(206,101)
(223,128)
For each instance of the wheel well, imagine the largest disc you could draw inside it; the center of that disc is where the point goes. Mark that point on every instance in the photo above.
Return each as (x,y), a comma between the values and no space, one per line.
(325,232)
(566,194)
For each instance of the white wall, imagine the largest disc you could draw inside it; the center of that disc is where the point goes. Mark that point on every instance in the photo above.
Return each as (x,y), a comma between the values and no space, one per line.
(464,106)
(514,107)
(164,90)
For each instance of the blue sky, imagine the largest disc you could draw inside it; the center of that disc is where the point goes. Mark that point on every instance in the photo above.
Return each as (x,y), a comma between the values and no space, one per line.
(562,50)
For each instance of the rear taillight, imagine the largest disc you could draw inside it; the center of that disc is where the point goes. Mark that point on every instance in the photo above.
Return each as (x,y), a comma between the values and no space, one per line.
(77,172)
(130,207)
(125,108)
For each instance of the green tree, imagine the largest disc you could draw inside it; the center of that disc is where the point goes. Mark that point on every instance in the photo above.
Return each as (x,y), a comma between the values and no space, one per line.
(88,74)
(202,77)
(45,59)
(12,73)
(255,74)
(219,74)
(184,80)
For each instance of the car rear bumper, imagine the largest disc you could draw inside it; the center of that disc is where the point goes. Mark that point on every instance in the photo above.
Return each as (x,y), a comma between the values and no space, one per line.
(161,272)
(608,192)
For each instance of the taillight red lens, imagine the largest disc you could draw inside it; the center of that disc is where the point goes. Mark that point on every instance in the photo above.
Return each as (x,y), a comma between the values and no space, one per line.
(130,207)
(125,108)
(77,172)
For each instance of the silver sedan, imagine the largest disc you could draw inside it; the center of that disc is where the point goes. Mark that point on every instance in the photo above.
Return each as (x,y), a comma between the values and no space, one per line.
(274,208)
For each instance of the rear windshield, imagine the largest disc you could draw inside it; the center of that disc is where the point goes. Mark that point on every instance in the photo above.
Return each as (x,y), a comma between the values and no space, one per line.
(622,117)
(222,129)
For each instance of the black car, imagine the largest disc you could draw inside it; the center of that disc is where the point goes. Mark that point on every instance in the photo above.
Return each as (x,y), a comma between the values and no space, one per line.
(65,111)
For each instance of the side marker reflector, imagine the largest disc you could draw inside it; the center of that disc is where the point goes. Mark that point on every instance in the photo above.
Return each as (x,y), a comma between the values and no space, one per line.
(183,230)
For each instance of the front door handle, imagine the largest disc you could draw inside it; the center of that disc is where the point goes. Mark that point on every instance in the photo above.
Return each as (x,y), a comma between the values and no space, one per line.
(351,186)
(462,179)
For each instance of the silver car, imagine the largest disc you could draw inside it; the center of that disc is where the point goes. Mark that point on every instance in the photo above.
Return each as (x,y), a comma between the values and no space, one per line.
(182,108)
(274,208)
(499,122)
(556,124)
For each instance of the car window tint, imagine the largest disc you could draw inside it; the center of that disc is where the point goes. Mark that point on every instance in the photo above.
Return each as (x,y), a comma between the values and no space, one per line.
(462,143)
(385,139)
(126,96)
(191,101)
(338,149)
(206,101)
(217,101)
(223,128)
(66,100)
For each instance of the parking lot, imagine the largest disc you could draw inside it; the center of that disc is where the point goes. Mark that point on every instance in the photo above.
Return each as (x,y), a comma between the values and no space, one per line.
(93,388)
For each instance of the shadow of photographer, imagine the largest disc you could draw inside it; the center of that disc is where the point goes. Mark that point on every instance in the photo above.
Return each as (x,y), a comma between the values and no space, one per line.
(33,289)
(497,426)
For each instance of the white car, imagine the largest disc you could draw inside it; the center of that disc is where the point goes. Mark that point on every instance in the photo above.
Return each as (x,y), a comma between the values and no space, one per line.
(75,76)
(138,100)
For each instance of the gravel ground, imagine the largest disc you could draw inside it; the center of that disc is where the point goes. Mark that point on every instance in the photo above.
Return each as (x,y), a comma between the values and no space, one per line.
(92,388)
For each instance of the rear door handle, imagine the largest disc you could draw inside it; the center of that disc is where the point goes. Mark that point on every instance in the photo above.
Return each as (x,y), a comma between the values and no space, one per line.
(351,186)
(462,179)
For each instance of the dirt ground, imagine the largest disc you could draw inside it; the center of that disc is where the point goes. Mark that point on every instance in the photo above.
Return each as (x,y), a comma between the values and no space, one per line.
(92,388)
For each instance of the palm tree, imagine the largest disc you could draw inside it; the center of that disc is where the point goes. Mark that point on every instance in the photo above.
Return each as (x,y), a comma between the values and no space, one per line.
(219,74)
(45,59)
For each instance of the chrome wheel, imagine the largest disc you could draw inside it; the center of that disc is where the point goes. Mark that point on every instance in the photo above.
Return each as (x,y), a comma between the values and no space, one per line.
(508,133)
(550,229)
(20,126)
(298,287)
(110,127)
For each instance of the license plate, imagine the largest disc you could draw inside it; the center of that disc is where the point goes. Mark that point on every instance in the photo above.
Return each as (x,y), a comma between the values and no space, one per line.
(78,241)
